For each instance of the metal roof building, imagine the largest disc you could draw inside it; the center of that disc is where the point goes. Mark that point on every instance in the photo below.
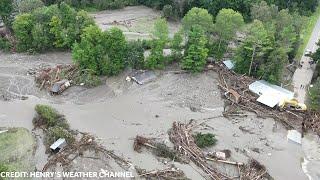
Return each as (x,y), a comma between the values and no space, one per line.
(270,94)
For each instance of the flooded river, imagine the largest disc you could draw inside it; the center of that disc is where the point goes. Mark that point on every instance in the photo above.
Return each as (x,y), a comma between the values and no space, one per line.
(118,111)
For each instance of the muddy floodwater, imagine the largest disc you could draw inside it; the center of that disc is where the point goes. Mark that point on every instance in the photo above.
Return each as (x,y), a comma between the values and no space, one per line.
(118,110)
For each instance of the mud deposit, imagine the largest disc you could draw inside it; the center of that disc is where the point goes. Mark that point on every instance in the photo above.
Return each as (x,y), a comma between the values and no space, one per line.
(118,110)
(135,21)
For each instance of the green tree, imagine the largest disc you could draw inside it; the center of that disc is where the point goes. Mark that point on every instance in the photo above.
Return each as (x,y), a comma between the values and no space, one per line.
(40,40)
(263,12)
(101,52)
(250,54)
(167,11)
(63,27)
(161,30)
(314,96)
(50,27)
(198,16)
(286,33)
(90,51)
(27,6)
(6,9)
(116,46)
(316,55)
(156,58)
(272,69)
(227,23)
(196,51)
(176,45)
(22,27)
(135,57)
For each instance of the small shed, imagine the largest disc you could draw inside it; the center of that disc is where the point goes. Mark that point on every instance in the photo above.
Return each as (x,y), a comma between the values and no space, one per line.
(270,94)
(58,145)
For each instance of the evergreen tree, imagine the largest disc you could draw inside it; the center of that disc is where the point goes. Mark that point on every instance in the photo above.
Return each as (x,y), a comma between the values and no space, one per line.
(196,52)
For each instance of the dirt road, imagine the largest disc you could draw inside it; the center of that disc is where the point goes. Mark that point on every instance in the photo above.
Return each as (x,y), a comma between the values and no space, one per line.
(302,76)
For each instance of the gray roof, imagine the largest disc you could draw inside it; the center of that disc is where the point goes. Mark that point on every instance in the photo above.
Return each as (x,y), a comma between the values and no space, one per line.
(60,143)
(229,64)
(270,94)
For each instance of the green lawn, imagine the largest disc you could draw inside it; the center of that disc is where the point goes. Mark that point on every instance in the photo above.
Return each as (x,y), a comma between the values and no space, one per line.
(306,32)
(16,148)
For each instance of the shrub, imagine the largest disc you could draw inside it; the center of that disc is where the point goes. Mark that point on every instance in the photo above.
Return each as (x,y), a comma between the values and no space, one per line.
(5,45)
(164,151)
(176,46)
(49,117)
(54,133)
(22,27)
(205,140)
(147,44)
(135,57)
(116,46)
(161,30)
(156,60)
(41,40)
(89,79)
(167,11)
(314,96)
(3,168)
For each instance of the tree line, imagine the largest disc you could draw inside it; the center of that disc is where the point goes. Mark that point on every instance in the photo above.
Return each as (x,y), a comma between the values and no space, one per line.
(269,42)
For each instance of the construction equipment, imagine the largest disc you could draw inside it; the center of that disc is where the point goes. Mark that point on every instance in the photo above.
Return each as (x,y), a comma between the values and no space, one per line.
(293,103)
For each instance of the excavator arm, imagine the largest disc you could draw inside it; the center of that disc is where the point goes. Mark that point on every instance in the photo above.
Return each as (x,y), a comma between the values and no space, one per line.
(293,103)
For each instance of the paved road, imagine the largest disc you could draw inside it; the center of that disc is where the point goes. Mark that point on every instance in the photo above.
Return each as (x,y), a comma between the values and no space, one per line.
(302,76)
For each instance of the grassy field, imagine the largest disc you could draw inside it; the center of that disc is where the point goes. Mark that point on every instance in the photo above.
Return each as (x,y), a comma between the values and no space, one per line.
(16,148)
(306,32)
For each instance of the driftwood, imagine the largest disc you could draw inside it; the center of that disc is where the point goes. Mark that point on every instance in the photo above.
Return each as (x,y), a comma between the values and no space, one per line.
(46,77)
(232,83)
(168,173)
(224,161)
(254,171)
(159,149)
(184,143)
(66,155)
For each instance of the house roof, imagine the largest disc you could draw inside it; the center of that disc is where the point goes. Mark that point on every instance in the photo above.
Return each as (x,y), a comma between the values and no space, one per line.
(270,94)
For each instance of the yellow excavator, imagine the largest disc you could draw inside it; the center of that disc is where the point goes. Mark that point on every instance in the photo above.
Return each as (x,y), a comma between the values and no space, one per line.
(293,103)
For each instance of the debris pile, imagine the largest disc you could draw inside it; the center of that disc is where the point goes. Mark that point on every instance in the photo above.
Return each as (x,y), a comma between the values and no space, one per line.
(87,142)
(236,90)
(56,79)
(184,144)
(159,149)
(312,121)
(180,135)
(254,170)
(168,173)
